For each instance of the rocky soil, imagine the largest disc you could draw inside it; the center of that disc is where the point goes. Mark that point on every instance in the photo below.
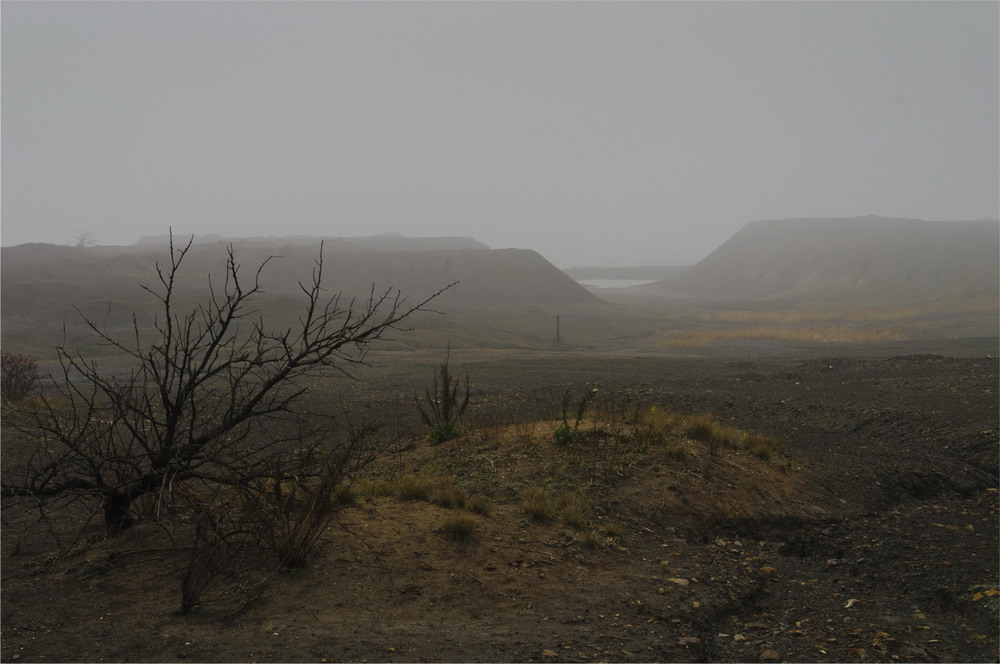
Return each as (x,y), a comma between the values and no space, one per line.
(874,539)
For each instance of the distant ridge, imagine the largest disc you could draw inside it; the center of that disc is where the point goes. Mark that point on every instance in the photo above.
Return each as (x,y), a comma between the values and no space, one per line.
(43,284)
(384,242)
(877,259)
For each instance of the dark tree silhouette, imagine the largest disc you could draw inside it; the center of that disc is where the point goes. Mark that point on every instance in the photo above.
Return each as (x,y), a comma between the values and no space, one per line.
(210,378)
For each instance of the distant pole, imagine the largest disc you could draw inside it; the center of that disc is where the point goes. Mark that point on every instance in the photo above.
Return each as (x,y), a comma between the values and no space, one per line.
(557,328)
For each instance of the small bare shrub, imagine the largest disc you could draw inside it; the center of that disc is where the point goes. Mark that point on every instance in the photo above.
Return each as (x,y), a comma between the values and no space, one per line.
(290,510)
(566,435)
(18,376)
(524,432)
(219,548)
(290,515)
(444,405)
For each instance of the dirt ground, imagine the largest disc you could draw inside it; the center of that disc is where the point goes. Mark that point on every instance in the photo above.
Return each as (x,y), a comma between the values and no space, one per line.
(875,538)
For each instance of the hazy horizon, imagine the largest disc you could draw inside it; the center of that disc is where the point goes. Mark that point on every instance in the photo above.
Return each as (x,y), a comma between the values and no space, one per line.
(594,133)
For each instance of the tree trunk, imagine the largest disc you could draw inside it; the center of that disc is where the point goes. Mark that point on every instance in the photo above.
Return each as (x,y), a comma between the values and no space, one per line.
(117,516)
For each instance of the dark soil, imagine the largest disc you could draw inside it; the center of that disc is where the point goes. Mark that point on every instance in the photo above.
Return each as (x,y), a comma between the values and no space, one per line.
(874,539)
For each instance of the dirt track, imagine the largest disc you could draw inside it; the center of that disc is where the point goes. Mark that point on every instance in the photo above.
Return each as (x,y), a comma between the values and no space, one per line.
(894,558)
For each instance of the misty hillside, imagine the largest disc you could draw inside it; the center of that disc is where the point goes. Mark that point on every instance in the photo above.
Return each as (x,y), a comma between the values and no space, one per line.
(649,272)
(870,258)
(384,242)
(41,283)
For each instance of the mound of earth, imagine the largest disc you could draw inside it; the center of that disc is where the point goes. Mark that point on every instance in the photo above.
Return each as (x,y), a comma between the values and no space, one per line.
(871,258)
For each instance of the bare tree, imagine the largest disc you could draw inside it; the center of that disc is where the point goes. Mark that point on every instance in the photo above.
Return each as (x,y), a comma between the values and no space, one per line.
(210,378)
(18,376)
(84,239)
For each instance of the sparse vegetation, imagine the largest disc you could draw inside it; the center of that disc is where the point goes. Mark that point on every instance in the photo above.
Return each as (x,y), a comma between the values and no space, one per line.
(566,435)
(535,502)
(614,531)
(573,510)
(444,404)
(706,429)
(451,497)
(763,447)
(415,487)
(644,512)
(630,499)
(206,426)
(479,504)
(433,489)
(803,333)
(460,528)
(655,426)
(678,453)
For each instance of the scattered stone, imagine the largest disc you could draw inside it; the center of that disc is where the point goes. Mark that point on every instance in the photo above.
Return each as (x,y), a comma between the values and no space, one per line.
(679,581)
(687,641)
(769,655)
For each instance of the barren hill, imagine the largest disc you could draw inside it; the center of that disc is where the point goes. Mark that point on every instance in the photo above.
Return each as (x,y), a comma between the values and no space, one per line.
(875,259)
(41,284)
(383,242)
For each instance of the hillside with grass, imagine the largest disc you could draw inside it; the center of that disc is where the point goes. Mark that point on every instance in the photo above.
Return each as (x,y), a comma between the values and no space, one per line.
(870,259)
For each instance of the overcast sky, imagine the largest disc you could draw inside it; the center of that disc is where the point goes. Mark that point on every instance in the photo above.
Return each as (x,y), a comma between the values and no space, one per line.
(596,133)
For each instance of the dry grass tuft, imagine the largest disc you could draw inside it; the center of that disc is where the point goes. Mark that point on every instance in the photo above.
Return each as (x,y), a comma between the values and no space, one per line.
(536,503)
(762,447)
(415,487)
(574,510)
(707,429)
(479,504)
(461,528)
(448,496)
(614,532)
